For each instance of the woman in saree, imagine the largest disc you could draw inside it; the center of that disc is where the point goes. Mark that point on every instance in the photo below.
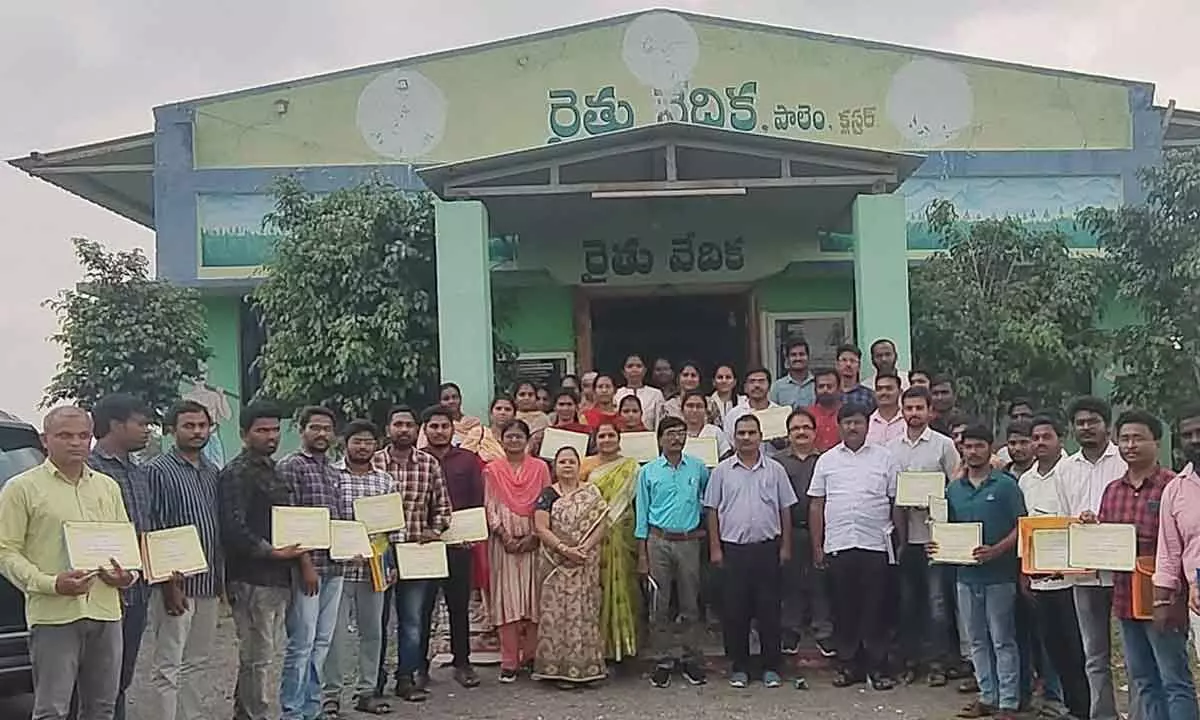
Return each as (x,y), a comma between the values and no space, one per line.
(616,479)
(571,520)
(603,408)
(500,414)
(512,485)
(468,430)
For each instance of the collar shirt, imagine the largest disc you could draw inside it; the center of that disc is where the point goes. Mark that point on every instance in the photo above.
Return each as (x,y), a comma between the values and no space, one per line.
(794,393)
(997,504)
(828,433)
(1178,556)
(131,478)
(1137,506)
(859,487)
(749,499)
(860,395)
(420,480)
(314,483)
(1041,498)
(1080,485)
(351,486)
(249,488)
(183,493)
(669,497)
(881,431)
(930,452)
(737,413)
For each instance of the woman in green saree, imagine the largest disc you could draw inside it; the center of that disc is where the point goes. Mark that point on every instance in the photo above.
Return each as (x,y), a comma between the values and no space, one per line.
(616,479)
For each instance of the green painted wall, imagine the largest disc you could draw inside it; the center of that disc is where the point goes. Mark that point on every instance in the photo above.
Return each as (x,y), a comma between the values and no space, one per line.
(803,289)
(540,319)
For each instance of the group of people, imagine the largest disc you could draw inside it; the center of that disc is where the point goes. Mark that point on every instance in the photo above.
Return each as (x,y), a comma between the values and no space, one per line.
(596,559)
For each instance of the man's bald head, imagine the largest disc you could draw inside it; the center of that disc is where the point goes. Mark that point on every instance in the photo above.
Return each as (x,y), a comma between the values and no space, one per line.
(62,413)
(67,436)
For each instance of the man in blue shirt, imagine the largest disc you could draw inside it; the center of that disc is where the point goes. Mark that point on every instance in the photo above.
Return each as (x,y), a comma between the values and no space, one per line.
(796,389)
(987,590)
(668,514)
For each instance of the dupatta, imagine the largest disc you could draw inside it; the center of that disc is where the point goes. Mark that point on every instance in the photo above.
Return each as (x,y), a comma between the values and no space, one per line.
(518,489)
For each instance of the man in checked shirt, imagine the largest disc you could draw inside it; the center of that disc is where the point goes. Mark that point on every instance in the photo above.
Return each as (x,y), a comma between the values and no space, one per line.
(426,516)
(317,580)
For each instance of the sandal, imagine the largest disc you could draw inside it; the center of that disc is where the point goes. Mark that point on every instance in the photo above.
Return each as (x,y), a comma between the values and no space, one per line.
(968,686)
(936,678)
(330,709)
(846,678)
(373,704)
(976,710)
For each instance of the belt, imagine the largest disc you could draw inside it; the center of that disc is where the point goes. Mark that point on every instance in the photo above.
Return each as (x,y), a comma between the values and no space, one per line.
(697,534)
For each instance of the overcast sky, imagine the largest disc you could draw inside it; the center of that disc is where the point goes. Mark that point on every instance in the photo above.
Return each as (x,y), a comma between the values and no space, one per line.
(77,72)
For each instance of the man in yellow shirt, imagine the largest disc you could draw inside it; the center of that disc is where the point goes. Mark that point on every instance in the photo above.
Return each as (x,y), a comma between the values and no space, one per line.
(75,630)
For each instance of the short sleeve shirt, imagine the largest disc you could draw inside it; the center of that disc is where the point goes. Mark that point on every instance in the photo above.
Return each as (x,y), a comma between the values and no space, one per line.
(858,487)
(997,503)
(749,499)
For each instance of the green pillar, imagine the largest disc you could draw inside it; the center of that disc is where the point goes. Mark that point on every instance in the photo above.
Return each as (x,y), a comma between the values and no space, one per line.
(465,302)
(881,275)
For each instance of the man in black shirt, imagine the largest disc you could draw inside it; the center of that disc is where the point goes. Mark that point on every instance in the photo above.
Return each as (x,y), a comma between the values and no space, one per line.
(805,594)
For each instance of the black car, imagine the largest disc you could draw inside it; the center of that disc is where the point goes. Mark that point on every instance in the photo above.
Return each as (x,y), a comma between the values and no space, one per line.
(20,449)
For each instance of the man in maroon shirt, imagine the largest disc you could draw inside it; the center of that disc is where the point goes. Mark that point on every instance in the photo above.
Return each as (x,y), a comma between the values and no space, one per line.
(464,482)
(825,410)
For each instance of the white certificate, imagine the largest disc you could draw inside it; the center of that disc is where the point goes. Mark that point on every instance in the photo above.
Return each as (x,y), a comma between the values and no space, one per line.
(177,550)
(554,439)
(307,527)
(1049,550)
(773,421)
(956,542)
(415,561)
(641,446)
(466,526)
(913,489)
(94,545)
(1103,546)
(939,509)
(348,540)
(380,513)
(703,449)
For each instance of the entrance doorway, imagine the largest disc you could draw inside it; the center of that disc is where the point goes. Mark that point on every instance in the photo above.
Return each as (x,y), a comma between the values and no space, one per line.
(711,330)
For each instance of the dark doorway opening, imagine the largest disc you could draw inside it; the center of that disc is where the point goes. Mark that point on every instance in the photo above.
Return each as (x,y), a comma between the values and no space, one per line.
(709,329)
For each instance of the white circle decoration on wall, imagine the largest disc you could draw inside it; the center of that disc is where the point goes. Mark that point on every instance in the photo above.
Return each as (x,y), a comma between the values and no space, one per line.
(930,102)
(661,50)
(402,114)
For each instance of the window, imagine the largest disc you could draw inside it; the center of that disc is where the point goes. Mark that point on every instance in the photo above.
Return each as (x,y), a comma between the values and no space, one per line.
(823,331)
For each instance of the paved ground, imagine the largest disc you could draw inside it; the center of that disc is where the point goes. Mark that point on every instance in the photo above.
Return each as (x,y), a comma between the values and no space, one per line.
(620,698)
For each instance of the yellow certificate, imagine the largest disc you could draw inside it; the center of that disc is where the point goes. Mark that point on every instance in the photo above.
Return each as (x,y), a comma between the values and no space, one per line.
(94,545)
(939,509)
(348,540)
(380,513)
(176,550)
(703,449)
(641,446)
(307,527)
(773,421)
(415,561)
(956,542)
(554,439)
(913,489)
(1104,546)
(1049,550)
(466,526)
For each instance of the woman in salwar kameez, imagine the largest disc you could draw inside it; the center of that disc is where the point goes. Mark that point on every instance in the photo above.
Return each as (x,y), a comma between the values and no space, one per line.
(512,486)
(571,520)
(615,477)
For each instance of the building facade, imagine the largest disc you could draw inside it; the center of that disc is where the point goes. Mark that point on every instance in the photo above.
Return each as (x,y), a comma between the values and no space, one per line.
(660,183)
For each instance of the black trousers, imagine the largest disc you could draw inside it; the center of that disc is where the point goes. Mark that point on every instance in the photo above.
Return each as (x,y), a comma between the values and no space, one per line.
(860,580)
(751,585)
(1055,623)
(456,588)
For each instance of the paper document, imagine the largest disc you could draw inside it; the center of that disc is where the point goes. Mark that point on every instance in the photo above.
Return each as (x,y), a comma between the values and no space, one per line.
(94,545)
(913,489)
(554,439)
(348,540)
(703,449)
(380,513)
(641,446)
(415,561)
(1049,551)
(773,421)
(956,542)
(176,550)
(939,509)
(466,526)
(307,527)
(1104,546)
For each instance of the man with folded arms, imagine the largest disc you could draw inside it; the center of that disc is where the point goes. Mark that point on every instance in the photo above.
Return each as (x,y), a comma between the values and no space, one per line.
(74,616)
(668,511)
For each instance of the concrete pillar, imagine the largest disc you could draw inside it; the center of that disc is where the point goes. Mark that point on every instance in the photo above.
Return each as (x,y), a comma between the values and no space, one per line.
(464,302)
(881,275)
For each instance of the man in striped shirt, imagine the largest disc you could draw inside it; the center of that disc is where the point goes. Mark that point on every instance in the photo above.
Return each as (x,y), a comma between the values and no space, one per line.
(184,610)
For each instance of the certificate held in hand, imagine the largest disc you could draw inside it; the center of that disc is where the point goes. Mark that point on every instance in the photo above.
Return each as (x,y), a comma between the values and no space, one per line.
(307,527)
(416,561)
(466,526)
(1102,546)
(380,513)
(175,550)
(641,446)
(348,540)
(773,421)
(703,449)
(94,545)
(913,489)
(956,542)
(554,439)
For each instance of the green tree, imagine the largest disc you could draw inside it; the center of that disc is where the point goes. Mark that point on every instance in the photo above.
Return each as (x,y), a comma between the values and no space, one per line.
(123,331)
(1005,310)
(1153,251)
(350,300)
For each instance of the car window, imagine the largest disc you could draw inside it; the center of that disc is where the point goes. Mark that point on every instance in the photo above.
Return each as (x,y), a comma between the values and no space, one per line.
(19,451)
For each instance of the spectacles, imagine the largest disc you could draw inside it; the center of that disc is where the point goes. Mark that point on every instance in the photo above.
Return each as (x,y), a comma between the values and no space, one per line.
(675,432)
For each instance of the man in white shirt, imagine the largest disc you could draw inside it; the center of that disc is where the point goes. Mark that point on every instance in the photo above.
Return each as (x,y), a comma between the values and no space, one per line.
(852,519)
(887,422)
(883,357)
(925,635)
(1054,631)
(757,386)
(1079,485)
(651,398)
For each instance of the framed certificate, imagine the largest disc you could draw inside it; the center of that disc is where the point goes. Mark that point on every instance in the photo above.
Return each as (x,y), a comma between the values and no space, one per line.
(956,542)
(704,449)
(415,561)
(94,545)
(307,527)
(641,446)
(176,550)
(466,526)
(773,421)
(553,439)
(380,513)
(913,489)
(348,540)
(1103,546)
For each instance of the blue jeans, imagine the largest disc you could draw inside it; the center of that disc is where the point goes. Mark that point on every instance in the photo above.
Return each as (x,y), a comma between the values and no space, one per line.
(411,597)
(1160,681)
(133,626)
(989,617)
(310,622)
